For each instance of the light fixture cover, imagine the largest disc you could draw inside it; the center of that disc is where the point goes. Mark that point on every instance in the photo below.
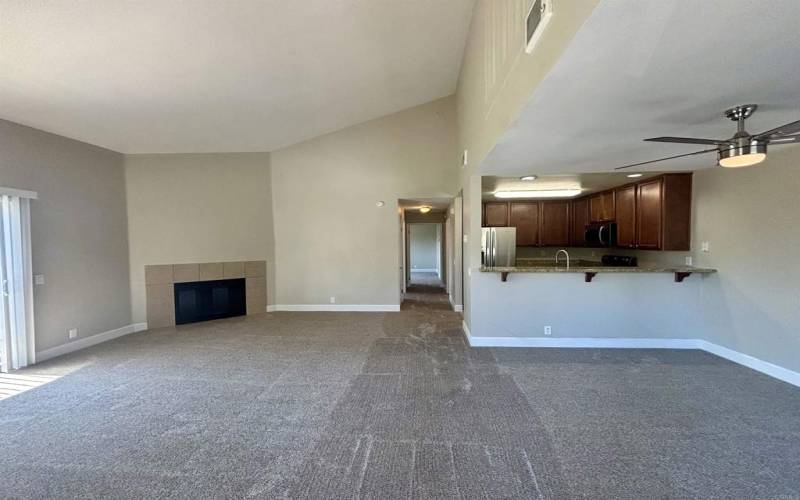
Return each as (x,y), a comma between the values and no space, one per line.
(424,209)
(743,155)
(528,178)
(541,193)
(633,176)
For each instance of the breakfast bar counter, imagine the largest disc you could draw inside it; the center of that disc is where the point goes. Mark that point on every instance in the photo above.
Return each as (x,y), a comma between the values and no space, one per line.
(591,268)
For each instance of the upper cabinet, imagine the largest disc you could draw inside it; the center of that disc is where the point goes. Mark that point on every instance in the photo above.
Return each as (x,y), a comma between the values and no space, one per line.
(555,223)
(495,214)
(601,206)
(625,209)
(524,215)
(654,214)
(664,213)
(579,215)
(648,215)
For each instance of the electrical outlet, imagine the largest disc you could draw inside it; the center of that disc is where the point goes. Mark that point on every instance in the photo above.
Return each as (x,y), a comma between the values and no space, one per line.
(333,300)
(704,246)
(689,261)
(38,279)
(548,330)
(73,333)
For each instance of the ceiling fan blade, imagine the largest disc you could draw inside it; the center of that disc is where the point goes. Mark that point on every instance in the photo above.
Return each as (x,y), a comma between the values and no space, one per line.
(668,158)
(788,129)
(686,140)
(784,139)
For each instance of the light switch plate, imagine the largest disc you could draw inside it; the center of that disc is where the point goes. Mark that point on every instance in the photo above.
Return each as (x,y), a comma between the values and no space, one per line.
(704,246)
(38,279)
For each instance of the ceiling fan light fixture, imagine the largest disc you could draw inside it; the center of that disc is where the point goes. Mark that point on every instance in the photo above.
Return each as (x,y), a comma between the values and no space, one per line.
(745,155)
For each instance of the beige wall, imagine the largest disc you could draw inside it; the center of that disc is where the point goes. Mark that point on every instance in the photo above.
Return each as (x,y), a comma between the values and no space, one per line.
(186,208)
(749,217)
(79,232)
(330,237)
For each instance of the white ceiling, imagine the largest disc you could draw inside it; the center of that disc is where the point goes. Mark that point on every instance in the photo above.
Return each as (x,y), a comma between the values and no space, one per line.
(644,69)
(216,76)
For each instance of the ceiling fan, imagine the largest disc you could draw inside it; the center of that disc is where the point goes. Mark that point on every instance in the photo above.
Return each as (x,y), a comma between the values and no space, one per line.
(741,150)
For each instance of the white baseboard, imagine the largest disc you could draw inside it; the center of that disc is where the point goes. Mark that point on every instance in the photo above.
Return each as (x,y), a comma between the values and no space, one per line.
(83,343)
(756,364)
(335,307)
(467,334)
(456,307)
(424,270)
(598,343)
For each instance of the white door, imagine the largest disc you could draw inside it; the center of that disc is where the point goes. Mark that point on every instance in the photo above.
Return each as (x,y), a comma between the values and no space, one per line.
(16,295)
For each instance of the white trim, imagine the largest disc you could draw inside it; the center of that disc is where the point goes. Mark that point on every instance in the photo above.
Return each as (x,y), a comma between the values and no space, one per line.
(773,370)
(139,327)
(765,367)
(465,328)
(335,307)
(597,343)
(456,307)
(20,193)
(415,270)
(85,342)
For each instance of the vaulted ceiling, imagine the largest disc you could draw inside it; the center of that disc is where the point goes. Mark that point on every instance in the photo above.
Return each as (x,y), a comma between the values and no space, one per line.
(215,76)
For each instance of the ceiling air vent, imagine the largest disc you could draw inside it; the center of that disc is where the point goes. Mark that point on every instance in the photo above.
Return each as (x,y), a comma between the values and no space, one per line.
(538,17)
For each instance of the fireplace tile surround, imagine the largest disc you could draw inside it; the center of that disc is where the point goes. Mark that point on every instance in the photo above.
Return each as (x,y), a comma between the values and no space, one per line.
(159,280)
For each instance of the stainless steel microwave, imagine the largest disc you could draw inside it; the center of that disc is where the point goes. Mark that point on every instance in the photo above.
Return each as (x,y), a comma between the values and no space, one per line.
(601,234)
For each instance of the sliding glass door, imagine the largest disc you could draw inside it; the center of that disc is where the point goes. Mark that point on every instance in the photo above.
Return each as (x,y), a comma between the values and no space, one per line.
(16,295)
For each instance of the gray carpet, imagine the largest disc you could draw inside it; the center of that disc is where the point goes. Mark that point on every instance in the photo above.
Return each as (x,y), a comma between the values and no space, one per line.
(395,405)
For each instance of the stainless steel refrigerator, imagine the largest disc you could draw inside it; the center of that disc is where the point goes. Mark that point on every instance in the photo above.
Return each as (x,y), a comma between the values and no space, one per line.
(498,246)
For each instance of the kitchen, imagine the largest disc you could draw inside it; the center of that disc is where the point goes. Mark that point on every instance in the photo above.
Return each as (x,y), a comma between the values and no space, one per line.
(639,223)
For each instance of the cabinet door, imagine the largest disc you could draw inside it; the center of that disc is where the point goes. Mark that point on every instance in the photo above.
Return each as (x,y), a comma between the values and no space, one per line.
(648,215)
(625,205)
(555,223)
(579,213)
(596,207)
(609,210)
(524,215)
(495,214)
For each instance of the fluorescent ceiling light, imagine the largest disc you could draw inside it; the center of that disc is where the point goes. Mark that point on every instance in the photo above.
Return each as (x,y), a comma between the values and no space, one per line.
(633,176)
(528,178)
(541,193)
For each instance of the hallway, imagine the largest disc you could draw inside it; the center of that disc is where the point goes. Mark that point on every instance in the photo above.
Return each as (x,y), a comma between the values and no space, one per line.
(425,291)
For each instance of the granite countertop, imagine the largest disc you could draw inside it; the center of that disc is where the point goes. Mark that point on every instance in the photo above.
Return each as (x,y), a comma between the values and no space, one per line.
(586,266)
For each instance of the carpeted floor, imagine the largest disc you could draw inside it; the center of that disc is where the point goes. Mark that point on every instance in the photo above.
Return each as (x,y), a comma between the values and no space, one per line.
(394,405)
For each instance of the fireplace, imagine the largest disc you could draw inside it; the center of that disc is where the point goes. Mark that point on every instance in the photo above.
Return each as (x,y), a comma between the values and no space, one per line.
(207,300)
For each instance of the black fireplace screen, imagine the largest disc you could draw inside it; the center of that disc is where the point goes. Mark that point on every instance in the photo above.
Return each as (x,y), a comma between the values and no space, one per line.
(206,300)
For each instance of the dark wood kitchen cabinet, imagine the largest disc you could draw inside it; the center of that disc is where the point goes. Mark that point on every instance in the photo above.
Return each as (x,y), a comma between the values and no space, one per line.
(601,206)
(524,215)
(495,214)
(648,214)
(555,223)
(654,214)
(579,218)
(625,209)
